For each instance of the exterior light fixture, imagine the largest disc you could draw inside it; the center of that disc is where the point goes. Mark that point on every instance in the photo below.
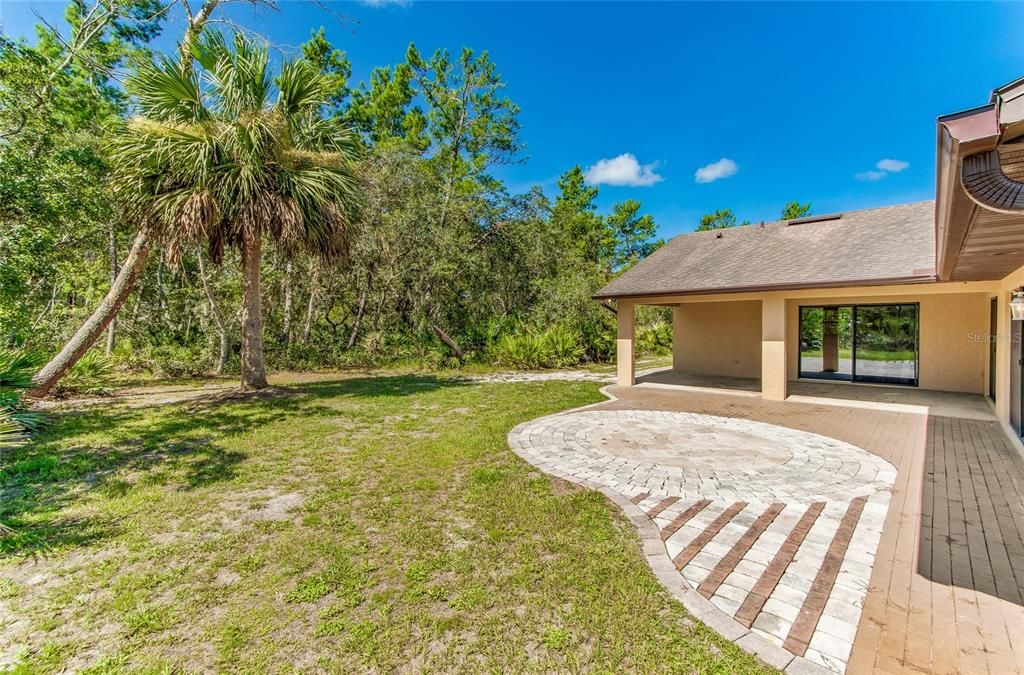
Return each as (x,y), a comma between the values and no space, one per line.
(1017,306)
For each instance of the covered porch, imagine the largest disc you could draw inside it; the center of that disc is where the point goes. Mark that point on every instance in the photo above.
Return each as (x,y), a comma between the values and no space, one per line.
(759,342)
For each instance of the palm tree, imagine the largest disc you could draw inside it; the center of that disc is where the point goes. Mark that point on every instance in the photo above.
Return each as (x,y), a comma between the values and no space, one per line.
(123,283)
(213,159)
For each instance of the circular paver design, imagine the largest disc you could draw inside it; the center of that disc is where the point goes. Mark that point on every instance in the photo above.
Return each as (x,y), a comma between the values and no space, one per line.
(706,448)
(693,455)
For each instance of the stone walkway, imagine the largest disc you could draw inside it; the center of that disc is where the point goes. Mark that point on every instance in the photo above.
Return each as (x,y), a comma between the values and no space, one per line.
(776,527)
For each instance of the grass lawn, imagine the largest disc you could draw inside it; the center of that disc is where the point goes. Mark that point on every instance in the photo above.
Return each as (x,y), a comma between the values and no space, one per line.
(368,523)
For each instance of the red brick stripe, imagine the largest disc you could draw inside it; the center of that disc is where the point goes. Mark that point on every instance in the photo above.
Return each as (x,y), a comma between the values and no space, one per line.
(814,604)
(661,506)
(694,547)
(684,518)
(640,497)
(729,561)
(764,587)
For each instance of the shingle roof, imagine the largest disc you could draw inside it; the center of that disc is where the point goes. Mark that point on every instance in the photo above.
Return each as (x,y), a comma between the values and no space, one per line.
(888,244)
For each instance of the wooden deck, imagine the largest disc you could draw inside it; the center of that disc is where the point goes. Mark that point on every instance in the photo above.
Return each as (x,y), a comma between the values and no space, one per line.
(946,589)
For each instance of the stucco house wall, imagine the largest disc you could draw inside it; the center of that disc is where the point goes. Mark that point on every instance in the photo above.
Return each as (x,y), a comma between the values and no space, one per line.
(717,338)
(953,346)
(724,337)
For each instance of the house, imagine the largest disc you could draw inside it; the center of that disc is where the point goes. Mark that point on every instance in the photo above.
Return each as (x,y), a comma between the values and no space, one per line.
(914,295)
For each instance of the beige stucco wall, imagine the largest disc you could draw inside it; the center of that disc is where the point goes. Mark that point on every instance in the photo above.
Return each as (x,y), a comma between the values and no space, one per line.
(713,336)
(717,338)
(953,349)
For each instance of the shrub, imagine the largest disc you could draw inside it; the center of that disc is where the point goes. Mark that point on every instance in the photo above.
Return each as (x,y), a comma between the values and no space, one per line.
(131,360)
(16,370)
(558,347)
(655,338)
(91,376)
(11,433)
(562,347)
(169,360)
(522,351)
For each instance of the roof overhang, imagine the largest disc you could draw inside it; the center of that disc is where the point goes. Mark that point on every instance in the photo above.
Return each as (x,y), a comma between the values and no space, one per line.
(979,205)
(921,279)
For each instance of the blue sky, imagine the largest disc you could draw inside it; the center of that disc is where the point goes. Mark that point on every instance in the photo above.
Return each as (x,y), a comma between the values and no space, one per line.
(803,100)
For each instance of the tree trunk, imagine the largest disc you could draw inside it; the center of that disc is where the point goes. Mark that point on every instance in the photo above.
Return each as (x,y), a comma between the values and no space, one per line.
(253,374)
(310,305)
(445,338)
(161,297)
(354,335)
(85,337)
(112,246)
(218,317)
(287,322)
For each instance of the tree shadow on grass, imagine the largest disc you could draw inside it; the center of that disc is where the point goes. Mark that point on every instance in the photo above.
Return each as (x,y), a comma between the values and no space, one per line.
(177,444)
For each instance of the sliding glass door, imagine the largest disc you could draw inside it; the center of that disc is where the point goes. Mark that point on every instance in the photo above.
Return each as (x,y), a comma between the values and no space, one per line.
(860,343)
(885,344)
(826,343)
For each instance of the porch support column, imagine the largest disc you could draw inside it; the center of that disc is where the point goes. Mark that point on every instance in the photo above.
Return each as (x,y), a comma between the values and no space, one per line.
(773,349)
(1003,365)
(624,344)
(677,337)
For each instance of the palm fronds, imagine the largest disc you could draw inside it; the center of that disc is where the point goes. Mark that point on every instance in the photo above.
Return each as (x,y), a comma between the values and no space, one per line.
(212,157)
(16,370)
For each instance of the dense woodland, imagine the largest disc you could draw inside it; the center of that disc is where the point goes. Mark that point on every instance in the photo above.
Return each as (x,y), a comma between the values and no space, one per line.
(232,207)
(432,261)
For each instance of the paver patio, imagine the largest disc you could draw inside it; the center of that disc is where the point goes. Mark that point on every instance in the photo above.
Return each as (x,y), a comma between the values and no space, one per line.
(848,534)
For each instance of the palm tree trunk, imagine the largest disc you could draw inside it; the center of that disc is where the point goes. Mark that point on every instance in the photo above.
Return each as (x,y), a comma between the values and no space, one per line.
(218,317)
(85,337)
(254,375)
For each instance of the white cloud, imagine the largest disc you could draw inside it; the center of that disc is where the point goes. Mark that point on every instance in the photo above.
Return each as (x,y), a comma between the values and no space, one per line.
(891,165)
(623,170)
(871,175)
(723,168)
(884,168)
(385,3)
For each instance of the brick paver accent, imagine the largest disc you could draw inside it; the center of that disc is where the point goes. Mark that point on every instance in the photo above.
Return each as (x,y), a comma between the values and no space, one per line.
(716,525)
(661,506)
(684,518)
(765,585)
(814,604)
(956,507)
(728,563)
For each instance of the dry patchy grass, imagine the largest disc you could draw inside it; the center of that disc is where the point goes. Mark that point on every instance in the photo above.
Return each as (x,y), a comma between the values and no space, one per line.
(362,524)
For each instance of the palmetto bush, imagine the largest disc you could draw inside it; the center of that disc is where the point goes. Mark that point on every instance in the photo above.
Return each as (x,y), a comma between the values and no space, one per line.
(655,338)
(563,346)
(90,376)
(10,431)
(521,351)
(16,370)
(557,347)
